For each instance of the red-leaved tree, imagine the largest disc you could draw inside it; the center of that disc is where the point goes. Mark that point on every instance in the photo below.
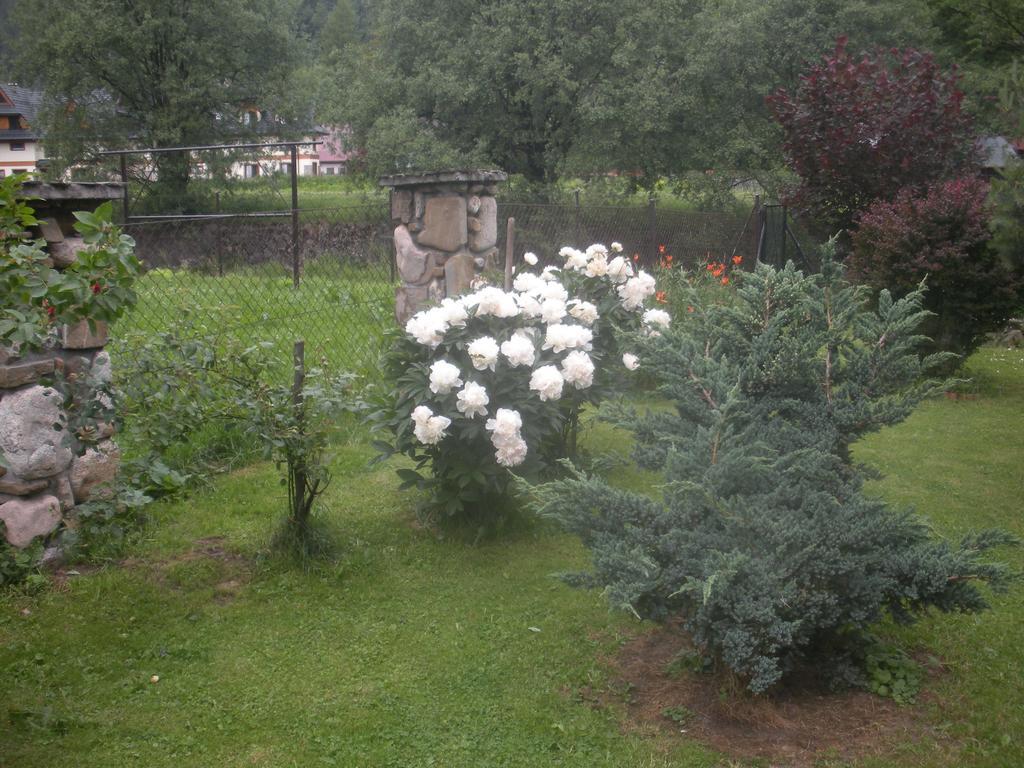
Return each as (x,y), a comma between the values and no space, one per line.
(940,234)
(858,130)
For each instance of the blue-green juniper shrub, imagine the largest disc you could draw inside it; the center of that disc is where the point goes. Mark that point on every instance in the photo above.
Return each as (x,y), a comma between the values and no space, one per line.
(764,542)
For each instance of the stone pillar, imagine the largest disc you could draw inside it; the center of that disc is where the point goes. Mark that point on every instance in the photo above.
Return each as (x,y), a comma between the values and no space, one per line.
(46,472)
(446,233)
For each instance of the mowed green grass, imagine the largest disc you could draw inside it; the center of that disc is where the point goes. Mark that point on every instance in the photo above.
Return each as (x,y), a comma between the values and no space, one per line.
(340,310)
(411,650)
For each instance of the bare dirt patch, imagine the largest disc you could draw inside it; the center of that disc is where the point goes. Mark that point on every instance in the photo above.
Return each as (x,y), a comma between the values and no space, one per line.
(796,727)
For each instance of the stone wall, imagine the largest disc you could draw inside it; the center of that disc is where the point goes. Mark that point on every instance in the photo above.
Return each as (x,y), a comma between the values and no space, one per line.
(447,233)
(49,471)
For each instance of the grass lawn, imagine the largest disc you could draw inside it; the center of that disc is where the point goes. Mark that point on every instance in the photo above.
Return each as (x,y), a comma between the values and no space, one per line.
(341,310)
(416,651)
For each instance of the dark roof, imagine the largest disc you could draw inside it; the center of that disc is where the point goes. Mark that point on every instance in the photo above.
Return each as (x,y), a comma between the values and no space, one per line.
(27,101)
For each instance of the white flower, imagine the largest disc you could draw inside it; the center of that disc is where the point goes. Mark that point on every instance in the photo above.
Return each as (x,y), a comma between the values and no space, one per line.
(454,312)
(583,311)
(559,338)
(552,310)
(443,376)
(511,452)
(617,247)
(547,382)
(528,282)
(597,250)
(530,258)
(574,259)
(548,273)
(429,429)
(578,369)
(619,270)
(636,289)
(657,317)
(528,305)
(631,361)
(519,350)
(505,424)
(598,266)
(553,290)
(428,326)
(472,400)
(494,301)
(483,352)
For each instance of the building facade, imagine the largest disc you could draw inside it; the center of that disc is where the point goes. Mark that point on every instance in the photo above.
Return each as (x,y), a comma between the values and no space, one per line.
(20,143)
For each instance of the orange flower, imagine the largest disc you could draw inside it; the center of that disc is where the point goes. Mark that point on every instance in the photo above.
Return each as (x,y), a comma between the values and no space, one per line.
(718,270)
(661,249)
(710,267)
(725,281)
(737,259)
(660,297)
(636,257)
(689,309)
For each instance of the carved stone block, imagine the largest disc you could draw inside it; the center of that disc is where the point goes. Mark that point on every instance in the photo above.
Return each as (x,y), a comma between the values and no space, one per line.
(401,205)
(459,272)
(444,223)
(81,336)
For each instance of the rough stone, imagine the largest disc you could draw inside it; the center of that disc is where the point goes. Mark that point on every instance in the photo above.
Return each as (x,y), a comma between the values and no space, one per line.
(65,252)
(487,235)
(415,265)
(459,272)
(11,484)
(473,205)
(29,441)
(60,487)
(28,372)
(76,363)
(93,473)
(52,559)
(408,300)
(401,205)
(474,225)
(81,336)
(25,519)
(444,223)
(101,370)
(418,205)
(7,354)
(50,231)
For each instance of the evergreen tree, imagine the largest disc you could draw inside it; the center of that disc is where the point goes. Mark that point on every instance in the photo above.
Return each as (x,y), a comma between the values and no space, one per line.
(765,543)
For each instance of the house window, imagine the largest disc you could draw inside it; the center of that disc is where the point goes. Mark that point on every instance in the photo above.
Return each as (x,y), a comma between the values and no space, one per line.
(17,146)
(286,168)
(2,173)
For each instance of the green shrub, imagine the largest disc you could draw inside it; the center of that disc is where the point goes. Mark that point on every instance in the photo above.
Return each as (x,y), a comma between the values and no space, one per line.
(764,542)
(496,380)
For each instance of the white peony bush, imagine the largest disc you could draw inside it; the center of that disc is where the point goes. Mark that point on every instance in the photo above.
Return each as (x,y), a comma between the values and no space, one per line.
(495,380)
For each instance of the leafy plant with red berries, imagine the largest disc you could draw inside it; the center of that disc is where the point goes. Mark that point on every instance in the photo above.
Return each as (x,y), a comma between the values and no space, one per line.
(859,129)
(38,298)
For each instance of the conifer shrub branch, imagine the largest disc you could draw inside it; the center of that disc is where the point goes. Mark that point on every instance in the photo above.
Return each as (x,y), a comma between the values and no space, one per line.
(763,541)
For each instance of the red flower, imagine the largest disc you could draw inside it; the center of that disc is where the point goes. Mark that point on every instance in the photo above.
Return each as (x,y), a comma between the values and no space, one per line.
(689,309)
(737,259)
(96,288)
(660,297)
(51,310)
(661,249)
(636,257)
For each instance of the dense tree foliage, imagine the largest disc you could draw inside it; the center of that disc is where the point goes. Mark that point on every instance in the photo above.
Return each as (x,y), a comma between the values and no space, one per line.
(941,234)
(765,544)
(861,128)
(542,88)
(165,72)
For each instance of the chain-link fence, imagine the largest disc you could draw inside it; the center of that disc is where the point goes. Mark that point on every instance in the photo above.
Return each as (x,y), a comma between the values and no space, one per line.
(327,278)
(328,275)
(691,237)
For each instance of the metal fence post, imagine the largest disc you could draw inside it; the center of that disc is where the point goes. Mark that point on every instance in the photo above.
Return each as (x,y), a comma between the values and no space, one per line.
(579,233)
(652,223)
(510,252)
(296,263)
(124,180)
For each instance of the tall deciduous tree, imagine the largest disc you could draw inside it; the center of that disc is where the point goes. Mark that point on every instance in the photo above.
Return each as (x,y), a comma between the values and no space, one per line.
(171,72)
